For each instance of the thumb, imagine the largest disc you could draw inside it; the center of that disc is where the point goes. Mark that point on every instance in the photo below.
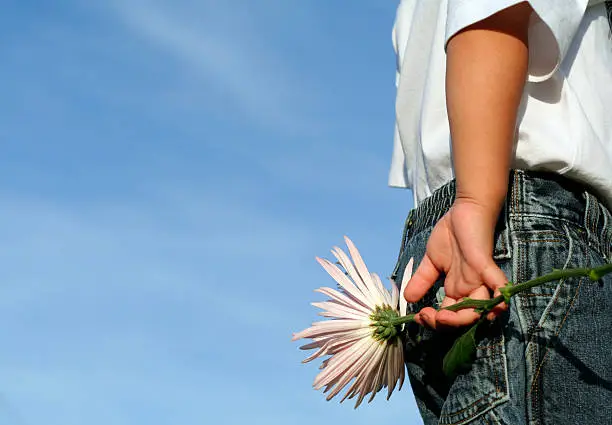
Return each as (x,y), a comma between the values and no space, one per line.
(421,281)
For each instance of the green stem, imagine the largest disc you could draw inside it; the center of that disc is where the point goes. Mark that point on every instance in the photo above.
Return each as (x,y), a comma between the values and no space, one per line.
(484,306)
(403,319)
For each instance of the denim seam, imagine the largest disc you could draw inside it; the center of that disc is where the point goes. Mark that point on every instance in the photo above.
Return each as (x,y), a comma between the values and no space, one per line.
(606,232)
(541,364)
(524,258)
(494,396)
(595,212)
(515,194)
(494,418)
(521,273)
(561,283)
(539,240)
(534,397)
(558,330)
(535,383)
(504,248)
(469,406)
(488,346)
(597,250)
(590,215)
(547,217)
(497,389)
(532,348)
(605,238)
(591,218)
(542,232)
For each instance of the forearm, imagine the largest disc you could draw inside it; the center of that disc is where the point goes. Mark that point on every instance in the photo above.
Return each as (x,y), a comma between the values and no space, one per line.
(485,77)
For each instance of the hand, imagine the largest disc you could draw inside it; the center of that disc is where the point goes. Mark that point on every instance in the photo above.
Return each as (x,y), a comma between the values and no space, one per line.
(461,247)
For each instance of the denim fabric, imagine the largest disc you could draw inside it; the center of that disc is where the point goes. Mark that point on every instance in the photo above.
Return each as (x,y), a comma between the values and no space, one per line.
(548,359)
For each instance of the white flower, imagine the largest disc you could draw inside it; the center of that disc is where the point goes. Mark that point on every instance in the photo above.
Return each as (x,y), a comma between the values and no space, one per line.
(361,338)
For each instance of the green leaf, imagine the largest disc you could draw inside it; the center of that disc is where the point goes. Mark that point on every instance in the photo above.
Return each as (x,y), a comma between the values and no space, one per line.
(461,353)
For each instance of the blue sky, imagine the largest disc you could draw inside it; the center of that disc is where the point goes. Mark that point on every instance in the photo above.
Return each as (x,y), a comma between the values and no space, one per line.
(169,171)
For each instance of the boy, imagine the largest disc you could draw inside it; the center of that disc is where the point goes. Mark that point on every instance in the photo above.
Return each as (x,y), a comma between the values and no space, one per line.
(506,143)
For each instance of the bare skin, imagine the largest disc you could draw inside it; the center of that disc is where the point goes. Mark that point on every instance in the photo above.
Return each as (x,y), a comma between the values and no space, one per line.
(486,71)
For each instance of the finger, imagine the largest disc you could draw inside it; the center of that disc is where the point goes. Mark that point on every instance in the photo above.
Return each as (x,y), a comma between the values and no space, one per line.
(498,309)
(494,277)
(461,317)
(423,279)
(456,318)
(461,281)
(428,317)
(446,301)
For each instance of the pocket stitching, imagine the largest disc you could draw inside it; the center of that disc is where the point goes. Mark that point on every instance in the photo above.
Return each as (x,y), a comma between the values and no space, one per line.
(523,254)
(491,398)
(555,297)
(545,236)
(558,330)
(457,412)
(534,382)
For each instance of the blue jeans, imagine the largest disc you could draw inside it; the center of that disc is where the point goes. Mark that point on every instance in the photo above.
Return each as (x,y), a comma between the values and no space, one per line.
(548,359)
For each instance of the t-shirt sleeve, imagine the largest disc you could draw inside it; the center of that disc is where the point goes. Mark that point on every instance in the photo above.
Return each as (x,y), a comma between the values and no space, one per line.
(552,28)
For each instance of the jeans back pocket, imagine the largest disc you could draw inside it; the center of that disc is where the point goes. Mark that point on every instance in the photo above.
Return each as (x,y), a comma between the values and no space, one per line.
(477,389)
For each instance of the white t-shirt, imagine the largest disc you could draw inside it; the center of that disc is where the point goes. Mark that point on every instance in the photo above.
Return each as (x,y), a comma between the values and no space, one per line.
(565,119)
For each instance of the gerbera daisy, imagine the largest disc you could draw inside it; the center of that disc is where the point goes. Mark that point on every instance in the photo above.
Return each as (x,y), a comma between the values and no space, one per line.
(362,339)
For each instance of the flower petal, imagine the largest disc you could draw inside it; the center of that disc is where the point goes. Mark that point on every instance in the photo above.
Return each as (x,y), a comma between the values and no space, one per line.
(357,369)
(391,371)
(384,293)
(367,381)
(360,265)
(344,299)
(348,265)
(336,309)
(345,344)
(345,282)
(340,363)
(403,304)
(325,327)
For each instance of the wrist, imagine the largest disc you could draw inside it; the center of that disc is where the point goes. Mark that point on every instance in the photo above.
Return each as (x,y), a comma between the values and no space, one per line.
(483,186)
(488,207)
(487,196)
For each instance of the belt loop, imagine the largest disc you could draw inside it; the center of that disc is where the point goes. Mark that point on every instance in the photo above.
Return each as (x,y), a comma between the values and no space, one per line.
(513,197)
(606,233)
(591,220)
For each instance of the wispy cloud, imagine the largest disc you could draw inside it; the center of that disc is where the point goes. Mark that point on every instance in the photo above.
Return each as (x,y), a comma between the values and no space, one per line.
(224,45)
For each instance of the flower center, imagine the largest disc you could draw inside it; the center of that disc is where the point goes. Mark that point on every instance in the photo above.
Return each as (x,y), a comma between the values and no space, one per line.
(384,322)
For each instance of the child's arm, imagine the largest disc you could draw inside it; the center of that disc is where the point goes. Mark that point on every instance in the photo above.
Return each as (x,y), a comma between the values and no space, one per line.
(486,73)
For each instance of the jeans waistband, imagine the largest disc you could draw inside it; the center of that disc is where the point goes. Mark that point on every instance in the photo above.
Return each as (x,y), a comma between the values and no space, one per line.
(530,193)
